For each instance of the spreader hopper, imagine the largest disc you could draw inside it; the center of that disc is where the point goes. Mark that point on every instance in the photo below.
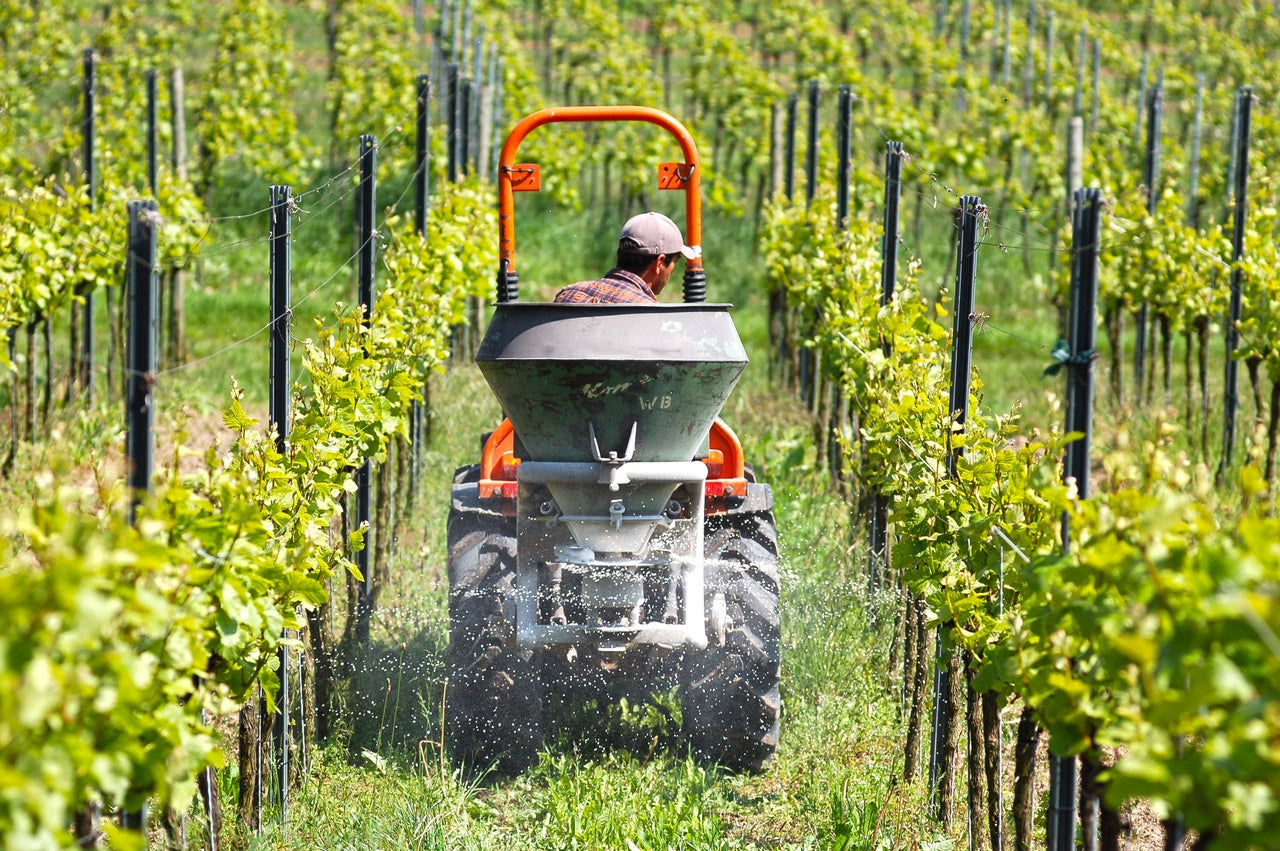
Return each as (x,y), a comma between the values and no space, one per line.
(611,395)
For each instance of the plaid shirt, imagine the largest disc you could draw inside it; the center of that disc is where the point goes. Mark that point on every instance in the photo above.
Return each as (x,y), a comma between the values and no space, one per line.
(617,287)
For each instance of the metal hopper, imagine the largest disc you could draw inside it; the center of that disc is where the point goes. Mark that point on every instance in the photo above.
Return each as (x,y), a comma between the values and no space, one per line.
(608,393)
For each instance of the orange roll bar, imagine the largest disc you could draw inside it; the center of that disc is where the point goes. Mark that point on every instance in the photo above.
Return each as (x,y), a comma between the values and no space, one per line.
(586,114)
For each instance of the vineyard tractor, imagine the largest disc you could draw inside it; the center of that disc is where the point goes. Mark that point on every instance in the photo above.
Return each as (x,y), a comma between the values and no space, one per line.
(612,540)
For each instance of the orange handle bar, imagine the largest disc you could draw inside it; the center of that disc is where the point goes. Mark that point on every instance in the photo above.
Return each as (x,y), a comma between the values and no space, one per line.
(583,114)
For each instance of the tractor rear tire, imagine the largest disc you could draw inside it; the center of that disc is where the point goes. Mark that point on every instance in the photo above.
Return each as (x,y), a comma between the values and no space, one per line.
(493,701)
(731,703)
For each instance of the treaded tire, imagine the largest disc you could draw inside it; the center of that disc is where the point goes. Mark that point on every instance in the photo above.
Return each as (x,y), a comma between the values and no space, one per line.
(493,703)
(731,703)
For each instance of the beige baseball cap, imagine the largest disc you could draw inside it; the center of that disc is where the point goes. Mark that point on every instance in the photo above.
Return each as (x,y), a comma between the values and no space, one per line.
(653,233)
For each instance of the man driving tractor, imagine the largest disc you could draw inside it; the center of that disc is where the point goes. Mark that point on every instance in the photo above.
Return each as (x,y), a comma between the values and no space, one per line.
(648,248)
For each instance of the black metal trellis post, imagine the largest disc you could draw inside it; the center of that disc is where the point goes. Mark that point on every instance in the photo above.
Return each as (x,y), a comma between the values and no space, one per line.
(437,63)
(90,176)
(1060,833)
(422,153)
(1193,179)
(466,32)
(1083,324)
(140,395)
(139,386)
(1234,146)
(1077,99)
(993,74)
(142,345)
(478,78)
(1006,57)
(495,150)
(1230,395)
(281,281)
(844,122)
(451,97)
(1142,95)
(971,210)
(366,203)
(281,238)
(1150,177)
(892,207)
(878,556)
(805,366)
(1095,93)
(789,175)
(775,148)
(811,149)
(455,33)
(152,139)
(421,208)
(965,13)
(1029,64)
(153,153)
(465,109)
(1048,62)
(479,100)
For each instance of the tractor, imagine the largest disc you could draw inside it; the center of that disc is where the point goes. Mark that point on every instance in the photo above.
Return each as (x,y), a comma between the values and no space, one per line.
(612,531)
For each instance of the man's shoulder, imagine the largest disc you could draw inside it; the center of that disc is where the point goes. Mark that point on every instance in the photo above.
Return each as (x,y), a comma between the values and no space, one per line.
(618,287)
(582,291)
